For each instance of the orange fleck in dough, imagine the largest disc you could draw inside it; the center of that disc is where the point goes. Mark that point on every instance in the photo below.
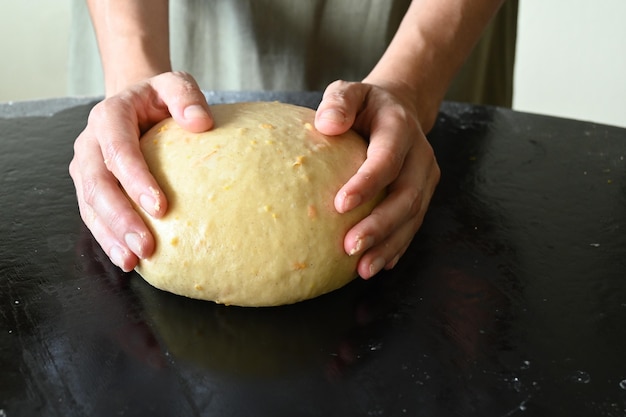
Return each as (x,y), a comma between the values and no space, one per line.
(163,128)
(174,241)
(299,160)
(266,126)
(311,211)
(198,287)
(308,126)
(299,266)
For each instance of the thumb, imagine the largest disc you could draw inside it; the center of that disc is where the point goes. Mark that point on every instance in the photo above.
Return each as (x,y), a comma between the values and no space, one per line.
(338,109)
(184,100)
(196,117)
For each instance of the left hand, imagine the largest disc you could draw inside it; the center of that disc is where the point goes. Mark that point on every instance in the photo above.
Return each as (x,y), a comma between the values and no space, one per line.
(399,158)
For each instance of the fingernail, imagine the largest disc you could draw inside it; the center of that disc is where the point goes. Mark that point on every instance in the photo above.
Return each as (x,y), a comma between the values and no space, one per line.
(333,115)
(117,255)
(376,266)
(150,203)
(195,111)
(350,201)
(361,244)
(135,243)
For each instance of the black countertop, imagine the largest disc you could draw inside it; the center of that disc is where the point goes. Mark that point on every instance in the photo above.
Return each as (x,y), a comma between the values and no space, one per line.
(510,301)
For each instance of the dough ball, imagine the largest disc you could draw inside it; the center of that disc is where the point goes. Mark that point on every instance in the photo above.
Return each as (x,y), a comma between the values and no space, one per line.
(251,219)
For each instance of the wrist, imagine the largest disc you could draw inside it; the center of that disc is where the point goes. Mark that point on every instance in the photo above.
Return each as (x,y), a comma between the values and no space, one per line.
(120,79)
(120,73)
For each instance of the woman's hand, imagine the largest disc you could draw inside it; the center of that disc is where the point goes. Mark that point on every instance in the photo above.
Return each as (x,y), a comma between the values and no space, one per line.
(399,158)
(108,163)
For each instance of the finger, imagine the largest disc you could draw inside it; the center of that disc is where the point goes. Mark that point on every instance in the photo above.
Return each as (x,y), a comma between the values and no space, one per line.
(388,249)
(372,263)
(185,102)
(118,122)
(392,213)
(339,107)
(387,150)
(118,142)
(116,250)
(385,235)
(98,190)
(387,253)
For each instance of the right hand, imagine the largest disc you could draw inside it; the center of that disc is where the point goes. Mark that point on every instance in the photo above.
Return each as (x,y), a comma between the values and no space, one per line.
(108,161)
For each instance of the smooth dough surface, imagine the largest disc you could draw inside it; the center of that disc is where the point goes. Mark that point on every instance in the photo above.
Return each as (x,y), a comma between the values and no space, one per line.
(251,220)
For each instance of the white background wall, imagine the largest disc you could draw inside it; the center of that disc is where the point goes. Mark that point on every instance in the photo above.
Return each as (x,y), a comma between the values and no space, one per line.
(34,37)
(571,59)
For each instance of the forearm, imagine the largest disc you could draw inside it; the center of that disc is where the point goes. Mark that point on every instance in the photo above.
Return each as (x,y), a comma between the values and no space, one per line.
(433,41)
(133,40)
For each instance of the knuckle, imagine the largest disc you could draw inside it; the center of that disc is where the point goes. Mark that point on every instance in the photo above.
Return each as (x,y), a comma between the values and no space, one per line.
(379,221)
(89,190)
(338,85)
(338,92)
(388,157)
(102,109)
(117,220)
(187,81)
(436,173)
(96,111)
(113,152)
(181,74)
(74,165)
(109,109)
(87,215)
(415,203)
(72,168)
(336,97)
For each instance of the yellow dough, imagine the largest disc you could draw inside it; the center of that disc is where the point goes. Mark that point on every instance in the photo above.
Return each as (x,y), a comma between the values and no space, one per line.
(251,219)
